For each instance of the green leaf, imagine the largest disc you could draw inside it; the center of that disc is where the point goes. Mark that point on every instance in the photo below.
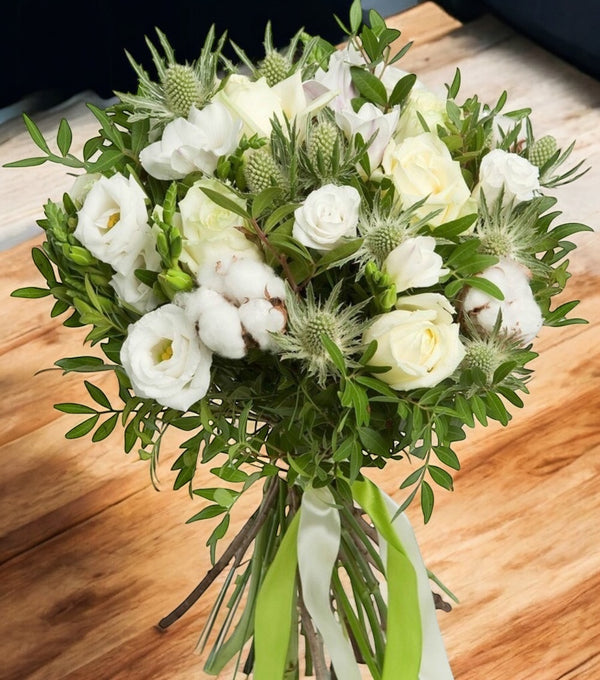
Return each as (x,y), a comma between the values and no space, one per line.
(376,21)
(370,44)
(334,352)
(110,130)
(355,16)
(455,85)
(36,134)
(30,292)
(441,477)
(427,501)
(64,137)
(402,89)
(413,478)
(227,203)
(97,394)
(346,449)
(447,456)
(264,200)
(369,86)
(207,513)
(484,285)
(83,428)
(373,441)
(81,364)
(69,407)
(106,428)
(26,162)
(339,254)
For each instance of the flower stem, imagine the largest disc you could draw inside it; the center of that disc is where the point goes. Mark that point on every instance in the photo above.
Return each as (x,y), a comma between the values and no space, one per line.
(236,549)
(315,643)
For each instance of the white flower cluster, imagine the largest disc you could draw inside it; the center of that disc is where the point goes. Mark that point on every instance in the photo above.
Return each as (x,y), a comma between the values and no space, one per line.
(238,302)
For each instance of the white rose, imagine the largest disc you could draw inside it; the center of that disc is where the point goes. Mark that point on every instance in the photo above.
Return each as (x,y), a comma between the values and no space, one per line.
(521,315)
(501,169)
(422,102)
(113,223)
(422,167)
(210,231)
(327,216)
(370,121)
(131,290)
(419,341)
(414,264)
(193,144)
(165,360)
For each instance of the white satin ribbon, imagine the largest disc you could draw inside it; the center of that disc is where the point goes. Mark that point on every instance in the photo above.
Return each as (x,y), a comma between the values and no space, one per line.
(434,661)
(318,545)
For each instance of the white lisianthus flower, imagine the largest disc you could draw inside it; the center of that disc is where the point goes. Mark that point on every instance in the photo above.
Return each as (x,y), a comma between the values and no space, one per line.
(422,166)
(257,104)
(113,222)
(81,187)
(414,264)
(420,101)
(327,216)
(193,144)
(165,360)
(210,231)
(501,169)
(131,290)
(337,79)
(521,315)
(418,341)
(370,120)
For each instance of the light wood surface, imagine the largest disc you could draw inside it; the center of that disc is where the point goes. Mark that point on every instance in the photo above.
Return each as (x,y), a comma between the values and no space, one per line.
(91,556)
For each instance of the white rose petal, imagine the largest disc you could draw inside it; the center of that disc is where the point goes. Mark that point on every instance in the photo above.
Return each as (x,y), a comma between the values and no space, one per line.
(521,315)
(501,169)
(414,264)
(327,216)
(165,360)
(422,167)
(260,318)
(418,341)
(192,144)
(113,223)
(369,121)
(217,321)
(420,103)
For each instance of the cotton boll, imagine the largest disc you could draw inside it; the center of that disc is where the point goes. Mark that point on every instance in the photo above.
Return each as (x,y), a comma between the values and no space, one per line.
(248,280)
(260,318)
(217,321)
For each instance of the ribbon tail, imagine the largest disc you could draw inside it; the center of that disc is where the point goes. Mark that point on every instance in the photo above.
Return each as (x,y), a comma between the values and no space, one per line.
(274,609)
(434,661)
(318,545)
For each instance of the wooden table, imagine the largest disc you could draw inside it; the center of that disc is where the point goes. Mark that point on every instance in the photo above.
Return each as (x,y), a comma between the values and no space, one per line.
(91,556)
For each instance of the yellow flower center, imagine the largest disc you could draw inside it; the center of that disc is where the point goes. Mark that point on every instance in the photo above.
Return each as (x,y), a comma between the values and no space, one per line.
(163,351)
(113,219)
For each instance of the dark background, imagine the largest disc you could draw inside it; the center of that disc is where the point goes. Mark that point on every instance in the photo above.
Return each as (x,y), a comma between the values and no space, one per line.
(64,47)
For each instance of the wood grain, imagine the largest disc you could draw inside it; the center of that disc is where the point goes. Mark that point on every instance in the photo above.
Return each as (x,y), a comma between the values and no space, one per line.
(91,556)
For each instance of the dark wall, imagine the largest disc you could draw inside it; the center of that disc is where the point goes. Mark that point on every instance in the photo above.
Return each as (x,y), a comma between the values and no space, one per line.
(69,46)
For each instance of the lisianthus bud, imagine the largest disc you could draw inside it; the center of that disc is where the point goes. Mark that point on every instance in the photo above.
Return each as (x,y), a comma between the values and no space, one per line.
(542,150)
(175,281)
(182,89)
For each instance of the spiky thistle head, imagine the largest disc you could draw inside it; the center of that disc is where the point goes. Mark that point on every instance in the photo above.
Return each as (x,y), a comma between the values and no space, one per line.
(261,171)
(275,67)
(179,86)
(384,227)
(487,351)
(309,320)
(510,231)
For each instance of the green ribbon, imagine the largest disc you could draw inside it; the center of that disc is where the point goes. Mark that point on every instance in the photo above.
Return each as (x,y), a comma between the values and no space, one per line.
(274,604)
(404,645)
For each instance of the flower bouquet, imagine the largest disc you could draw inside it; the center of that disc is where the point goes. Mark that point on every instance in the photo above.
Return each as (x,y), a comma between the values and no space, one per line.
(310,266)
